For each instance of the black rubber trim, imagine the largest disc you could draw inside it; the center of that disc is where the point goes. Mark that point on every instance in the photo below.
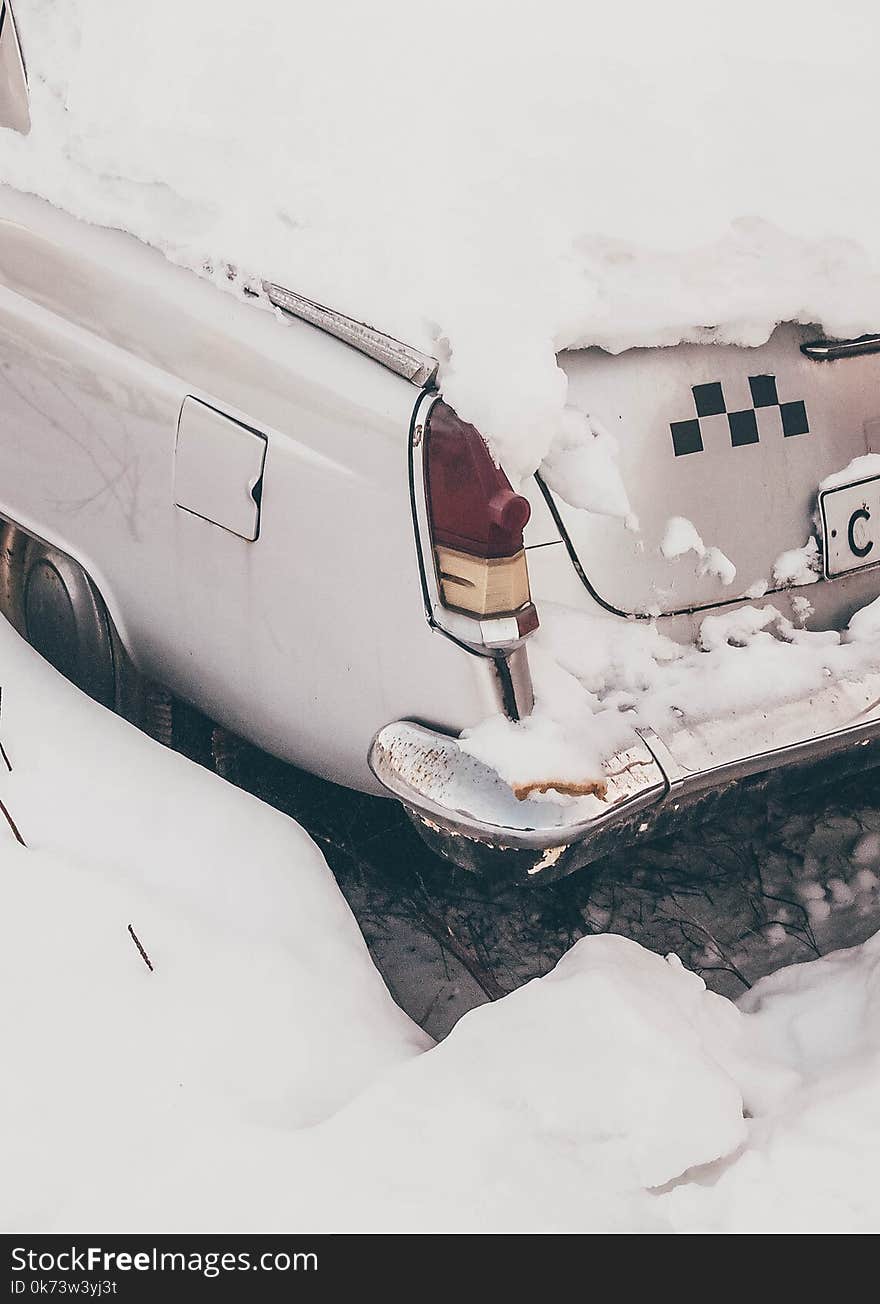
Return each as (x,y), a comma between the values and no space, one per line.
(636,615)
(505,682)
(412,498)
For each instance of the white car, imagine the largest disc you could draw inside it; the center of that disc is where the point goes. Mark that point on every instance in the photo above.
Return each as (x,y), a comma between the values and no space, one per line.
(269,509)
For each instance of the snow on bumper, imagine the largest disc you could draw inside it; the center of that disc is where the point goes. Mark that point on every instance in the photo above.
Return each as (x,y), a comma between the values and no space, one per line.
(463,808)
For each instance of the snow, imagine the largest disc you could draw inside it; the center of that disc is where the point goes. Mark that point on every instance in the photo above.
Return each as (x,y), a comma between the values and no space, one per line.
(581,466)
(259,1079)
(263,1009)
(735,628)
(547,182)
(681,537)
(546,176)
(555,743)
(618,1095)
(798,565)
(860,468)
(598,678)
(802,608)
(810,1161)
(715,563)
(864,625)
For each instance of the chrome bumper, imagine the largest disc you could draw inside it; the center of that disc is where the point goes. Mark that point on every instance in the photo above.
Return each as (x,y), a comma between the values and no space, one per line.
(465,811)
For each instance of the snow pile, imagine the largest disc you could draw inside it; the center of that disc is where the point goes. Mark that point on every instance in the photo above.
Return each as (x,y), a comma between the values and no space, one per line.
(597,678)
(258,1078)
(262,1009)
(614,1095)
(558,1108)
(570,174)
(810,1162)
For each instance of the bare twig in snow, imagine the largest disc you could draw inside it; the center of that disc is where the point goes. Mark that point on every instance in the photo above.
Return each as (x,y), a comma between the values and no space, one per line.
(443,934)
(713,942)
(2,748)
(137,942)
(12,824)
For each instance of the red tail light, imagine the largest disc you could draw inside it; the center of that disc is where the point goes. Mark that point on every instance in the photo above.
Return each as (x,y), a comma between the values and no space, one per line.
(476,521)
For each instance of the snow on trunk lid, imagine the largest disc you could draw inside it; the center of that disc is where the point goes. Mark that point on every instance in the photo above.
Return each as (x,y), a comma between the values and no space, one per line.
(733,441)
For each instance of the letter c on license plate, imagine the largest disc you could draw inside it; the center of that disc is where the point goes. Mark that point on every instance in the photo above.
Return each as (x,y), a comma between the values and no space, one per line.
(851,526)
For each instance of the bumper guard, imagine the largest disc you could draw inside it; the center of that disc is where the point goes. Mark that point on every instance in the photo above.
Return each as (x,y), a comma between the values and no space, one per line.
(465,811)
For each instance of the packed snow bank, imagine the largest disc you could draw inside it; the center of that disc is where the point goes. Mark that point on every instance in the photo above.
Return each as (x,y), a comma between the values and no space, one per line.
(490,183)
(259,1078)
(262,1008)
(614,1095)
(810,1163)
(556,1109)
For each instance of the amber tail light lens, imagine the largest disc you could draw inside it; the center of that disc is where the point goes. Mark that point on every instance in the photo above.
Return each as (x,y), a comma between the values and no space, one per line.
(476,520)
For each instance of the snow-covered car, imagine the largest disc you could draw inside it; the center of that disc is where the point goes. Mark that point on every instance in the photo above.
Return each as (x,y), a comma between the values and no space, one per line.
(269,509)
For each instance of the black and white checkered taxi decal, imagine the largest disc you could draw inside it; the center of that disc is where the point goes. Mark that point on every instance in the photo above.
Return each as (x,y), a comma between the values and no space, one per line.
(687,436)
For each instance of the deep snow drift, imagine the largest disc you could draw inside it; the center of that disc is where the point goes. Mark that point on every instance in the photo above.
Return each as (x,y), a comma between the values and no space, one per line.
(490,182)
(263,1009)
(260,1079)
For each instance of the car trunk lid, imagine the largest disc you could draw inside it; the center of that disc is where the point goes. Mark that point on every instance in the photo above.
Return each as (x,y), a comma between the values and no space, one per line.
(734,440)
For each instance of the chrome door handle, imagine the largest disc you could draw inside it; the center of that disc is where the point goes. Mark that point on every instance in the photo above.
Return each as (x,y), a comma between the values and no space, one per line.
(828,350)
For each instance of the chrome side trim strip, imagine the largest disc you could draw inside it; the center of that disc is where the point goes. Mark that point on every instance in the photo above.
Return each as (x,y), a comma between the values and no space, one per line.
(418,368)
(830,350)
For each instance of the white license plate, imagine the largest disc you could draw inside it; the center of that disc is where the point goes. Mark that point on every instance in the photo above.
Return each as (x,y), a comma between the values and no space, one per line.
(851,526)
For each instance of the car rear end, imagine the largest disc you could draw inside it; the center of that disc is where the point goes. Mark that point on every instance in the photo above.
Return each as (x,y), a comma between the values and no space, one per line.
(752,475)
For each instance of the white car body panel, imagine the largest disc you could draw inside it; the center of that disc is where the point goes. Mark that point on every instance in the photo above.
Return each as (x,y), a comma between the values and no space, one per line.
(311,638)
(14,108)
(246,490)
(308,640)
(754,500)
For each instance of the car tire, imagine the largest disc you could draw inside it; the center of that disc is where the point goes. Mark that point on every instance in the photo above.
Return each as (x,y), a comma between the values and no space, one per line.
(55,606)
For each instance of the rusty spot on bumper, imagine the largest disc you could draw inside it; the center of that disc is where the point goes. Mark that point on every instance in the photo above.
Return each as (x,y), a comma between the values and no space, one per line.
(589,788)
